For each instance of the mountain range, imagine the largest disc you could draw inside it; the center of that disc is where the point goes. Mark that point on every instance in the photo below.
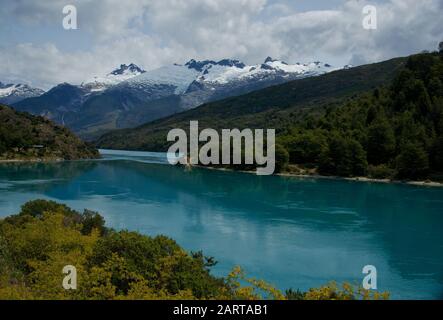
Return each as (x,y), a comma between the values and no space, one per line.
(130,96)
(12,93)
(278,107)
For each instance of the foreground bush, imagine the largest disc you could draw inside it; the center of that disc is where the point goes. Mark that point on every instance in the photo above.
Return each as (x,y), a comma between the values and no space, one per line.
(45,236)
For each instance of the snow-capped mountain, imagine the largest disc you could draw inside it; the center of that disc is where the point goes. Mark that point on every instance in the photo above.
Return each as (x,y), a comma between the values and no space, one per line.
(223,72)
(123,73)
(226,71)
(197,82)
(175,76)
(12,93)
(130,96)
(225,78)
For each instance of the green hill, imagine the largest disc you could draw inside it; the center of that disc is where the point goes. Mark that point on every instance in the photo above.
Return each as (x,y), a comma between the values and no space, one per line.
(275,107)
(27,137)
(393,132)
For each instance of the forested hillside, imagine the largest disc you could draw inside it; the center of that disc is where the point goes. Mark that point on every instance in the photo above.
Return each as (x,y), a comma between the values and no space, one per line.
(27,137)
(382,120)
(390,132)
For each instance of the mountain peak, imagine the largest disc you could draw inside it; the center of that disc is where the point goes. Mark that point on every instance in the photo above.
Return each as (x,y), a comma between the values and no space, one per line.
(269,59)
(131,68)
(199,65)
(11,93)
(124,72)
(231,63)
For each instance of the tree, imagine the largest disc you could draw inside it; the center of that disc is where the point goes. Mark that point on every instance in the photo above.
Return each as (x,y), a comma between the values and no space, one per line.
(92,220)
(37,208)
(435,87)
(3,148)
(281,158)
(437,155)
(306,147)
(359,159)
(413,162)
(344,157)
(440,47)
(381,142)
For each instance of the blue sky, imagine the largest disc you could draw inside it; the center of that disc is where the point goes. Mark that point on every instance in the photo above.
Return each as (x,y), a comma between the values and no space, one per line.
(35,49)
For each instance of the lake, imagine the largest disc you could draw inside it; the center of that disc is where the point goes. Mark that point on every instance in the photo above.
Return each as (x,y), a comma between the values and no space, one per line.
(292,232)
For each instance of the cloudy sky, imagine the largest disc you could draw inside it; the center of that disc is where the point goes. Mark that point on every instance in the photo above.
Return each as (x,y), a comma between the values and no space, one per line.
(36,49)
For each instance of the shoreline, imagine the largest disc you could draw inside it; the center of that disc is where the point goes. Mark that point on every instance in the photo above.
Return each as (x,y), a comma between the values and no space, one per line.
(366,179)
(355,179)
(284,174)
(30,160)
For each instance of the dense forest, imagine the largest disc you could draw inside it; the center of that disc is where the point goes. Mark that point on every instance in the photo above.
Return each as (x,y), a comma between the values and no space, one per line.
(27,137)
(45,236)
(394,131)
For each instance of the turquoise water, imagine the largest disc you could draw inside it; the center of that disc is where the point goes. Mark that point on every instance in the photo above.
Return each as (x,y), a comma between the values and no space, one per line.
(297,233)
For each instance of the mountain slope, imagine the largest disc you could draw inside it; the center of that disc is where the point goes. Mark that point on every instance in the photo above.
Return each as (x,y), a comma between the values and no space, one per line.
(275,107)
(125,72)
(56,103)
(63,103)
(12,93)
(129,96)
(27,137)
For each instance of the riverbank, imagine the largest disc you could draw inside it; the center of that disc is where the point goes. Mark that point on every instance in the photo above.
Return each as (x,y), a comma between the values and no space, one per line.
(366,179)
(30,160)
(44,160)
(426,183)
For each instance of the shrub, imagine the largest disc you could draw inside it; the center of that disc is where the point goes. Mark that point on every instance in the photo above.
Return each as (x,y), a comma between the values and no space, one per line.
(413,162)
(281,158)
(380,172)
(37,208)
(344,157)
(332,291)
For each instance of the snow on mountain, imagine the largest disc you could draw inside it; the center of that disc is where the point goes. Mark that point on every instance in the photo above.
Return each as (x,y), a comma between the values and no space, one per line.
(177,76)
(125,72)
(209,72)
(130,96)
(11,93)
(222,74)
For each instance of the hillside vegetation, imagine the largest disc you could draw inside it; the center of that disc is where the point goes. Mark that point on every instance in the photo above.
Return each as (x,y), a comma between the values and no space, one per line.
(383,120)
(391,132)
(27,137)
(45,236)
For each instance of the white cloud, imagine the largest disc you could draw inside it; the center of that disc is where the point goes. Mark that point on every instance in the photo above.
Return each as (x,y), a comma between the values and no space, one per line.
(45,65)
(156,32)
